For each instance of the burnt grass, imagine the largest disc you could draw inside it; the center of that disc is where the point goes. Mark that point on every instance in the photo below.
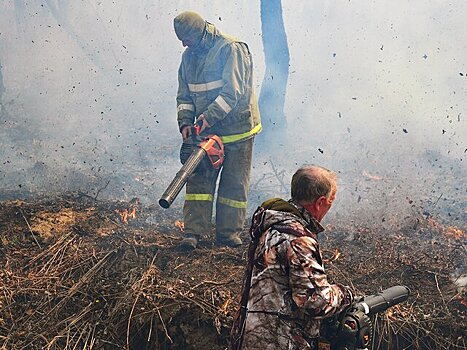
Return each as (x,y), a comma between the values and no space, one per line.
(76,275)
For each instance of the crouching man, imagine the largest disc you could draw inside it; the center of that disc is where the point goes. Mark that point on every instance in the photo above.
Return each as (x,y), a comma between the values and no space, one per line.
(286,293)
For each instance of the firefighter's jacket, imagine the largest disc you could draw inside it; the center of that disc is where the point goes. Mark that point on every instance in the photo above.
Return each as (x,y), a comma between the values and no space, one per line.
(289,292)
(216,80)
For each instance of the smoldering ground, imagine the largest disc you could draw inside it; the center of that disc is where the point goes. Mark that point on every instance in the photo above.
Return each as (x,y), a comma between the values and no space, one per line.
(375,92)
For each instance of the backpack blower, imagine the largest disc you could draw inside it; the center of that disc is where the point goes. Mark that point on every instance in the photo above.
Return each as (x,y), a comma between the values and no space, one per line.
(193,157)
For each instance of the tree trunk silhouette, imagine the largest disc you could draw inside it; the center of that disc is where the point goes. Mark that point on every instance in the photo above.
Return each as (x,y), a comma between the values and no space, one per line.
(273,88)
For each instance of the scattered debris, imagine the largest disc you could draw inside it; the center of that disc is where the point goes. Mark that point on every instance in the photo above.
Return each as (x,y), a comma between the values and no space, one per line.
(97,282)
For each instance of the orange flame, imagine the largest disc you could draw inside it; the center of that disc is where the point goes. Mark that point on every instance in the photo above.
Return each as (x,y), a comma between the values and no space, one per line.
(453,231)
(334,257)
(372,177)
(449,232)
(126,214)
(180,225)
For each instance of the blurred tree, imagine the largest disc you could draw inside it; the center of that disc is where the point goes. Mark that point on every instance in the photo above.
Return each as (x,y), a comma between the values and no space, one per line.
(274,85)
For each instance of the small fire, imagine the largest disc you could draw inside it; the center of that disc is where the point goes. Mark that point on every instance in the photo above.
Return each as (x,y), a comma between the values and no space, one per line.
(334,257)
(370,176)
(449,232)
(130,213)
(180,225)
(126,214)
(453,231)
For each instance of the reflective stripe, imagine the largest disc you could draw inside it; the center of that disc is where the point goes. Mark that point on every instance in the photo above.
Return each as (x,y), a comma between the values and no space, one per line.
(198,197)
(237,137)
(232,203)
(187,106)
(206,86)
(224,105)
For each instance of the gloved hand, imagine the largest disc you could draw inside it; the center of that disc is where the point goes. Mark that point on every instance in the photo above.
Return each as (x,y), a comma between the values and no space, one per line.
(186,132)
(349,297)
(205,124)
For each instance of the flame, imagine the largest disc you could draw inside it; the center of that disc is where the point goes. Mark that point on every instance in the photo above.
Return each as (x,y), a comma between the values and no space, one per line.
(126,214)
(453,231)
(334,257)
(180,225)
(449,232)
(372,177)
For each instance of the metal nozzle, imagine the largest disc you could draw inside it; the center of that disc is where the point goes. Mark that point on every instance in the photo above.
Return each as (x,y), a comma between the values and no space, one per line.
(181,178)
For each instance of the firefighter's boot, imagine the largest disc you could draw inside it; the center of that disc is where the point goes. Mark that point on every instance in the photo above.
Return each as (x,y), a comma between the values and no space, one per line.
(188,243)
(229,241)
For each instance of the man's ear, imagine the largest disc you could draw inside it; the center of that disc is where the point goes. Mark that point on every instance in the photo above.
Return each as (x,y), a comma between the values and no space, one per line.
(320,201)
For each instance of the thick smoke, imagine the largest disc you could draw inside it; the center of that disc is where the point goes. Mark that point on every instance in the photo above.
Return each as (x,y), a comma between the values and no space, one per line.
(376,92)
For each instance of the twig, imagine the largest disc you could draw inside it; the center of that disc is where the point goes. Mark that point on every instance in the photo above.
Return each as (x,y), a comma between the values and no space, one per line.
(434,205)
(441,294)
(129,322)
(30,229)
(163,325)
(220,283)
(284,188)
(101,189)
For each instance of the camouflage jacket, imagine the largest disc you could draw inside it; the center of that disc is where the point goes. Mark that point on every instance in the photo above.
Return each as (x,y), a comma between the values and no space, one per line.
(289,292)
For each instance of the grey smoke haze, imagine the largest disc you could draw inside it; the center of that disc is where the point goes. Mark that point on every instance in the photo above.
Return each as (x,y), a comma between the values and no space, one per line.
(376,91)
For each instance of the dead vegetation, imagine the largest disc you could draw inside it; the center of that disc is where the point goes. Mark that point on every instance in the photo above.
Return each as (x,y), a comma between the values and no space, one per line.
(78,274)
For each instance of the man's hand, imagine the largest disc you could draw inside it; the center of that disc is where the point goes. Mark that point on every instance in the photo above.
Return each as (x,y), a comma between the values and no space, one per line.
(205,124)
(186,132)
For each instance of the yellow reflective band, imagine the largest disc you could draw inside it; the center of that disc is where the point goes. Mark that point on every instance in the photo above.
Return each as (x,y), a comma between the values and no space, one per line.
(238,137)
(198,197)
(232,203)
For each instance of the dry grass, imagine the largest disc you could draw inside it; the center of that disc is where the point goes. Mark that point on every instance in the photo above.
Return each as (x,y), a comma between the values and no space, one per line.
(76,277)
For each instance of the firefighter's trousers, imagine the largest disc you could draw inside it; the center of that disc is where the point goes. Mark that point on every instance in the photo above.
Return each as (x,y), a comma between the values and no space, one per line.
(232,194)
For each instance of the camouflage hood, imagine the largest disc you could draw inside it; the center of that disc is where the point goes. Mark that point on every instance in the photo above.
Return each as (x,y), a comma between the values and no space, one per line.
(276,212)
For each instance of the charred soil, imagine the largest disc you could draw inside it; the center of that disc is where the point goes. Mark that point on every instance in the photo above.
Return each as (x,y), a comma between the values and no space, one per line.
(88,274)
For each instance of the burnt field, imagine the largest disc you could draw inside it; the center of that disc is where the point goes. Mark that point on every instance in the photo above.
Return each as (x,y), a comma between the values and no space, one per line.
(79,272)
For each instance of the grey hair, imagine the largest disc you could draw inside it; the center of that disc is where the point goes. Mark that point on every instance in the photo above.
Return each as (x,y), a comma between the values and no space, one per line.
(311,182)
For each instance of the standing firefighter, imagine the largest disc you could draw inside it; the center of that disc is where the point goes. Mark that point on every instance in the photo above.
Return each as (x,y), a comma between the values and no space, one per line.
(286,293)
(216,89)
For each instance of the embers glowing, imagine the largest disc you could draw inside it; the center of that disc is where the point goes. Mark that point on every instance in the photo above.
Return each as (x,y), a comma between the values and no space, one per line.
(448,232)
(180,225)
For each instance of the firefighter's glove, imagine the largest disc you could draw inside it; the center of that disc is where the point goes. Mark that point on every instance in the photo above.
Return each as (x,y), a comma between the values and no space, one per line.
(186,132)
(205,124)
